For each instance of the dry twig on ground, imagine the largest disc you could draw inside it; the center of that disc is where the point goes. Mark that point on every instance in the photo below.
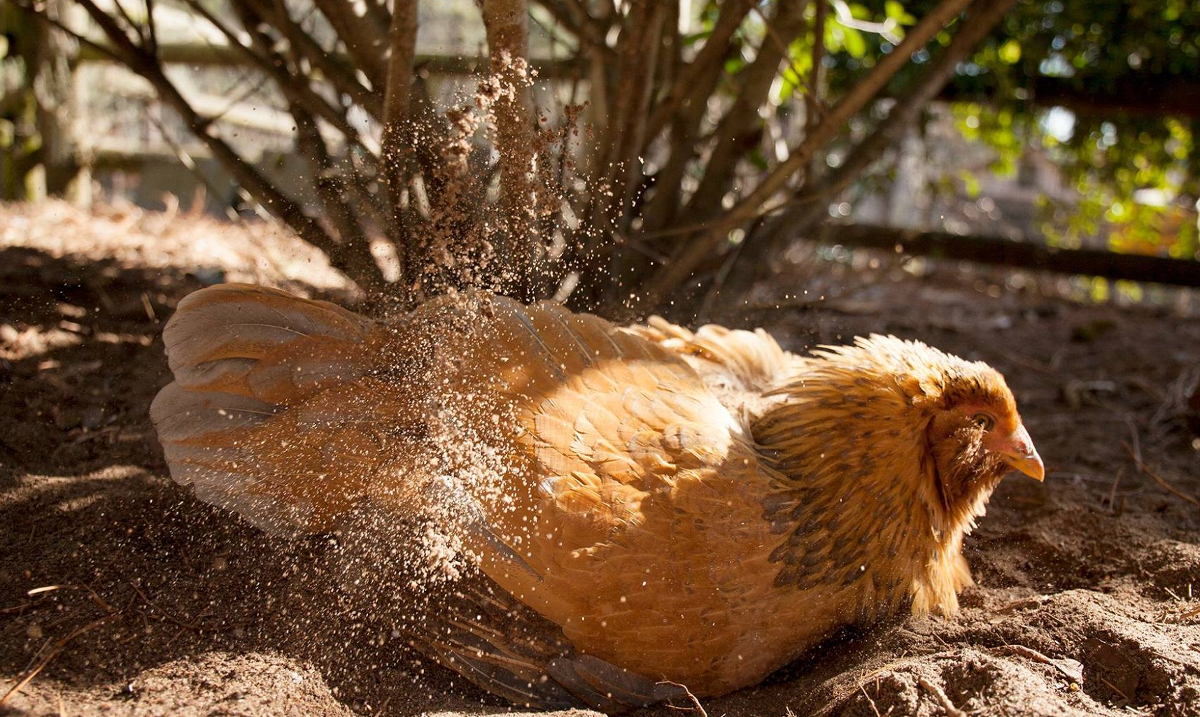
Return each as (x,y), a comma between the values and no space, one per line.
(50,654)
(1135,452)
(941,698)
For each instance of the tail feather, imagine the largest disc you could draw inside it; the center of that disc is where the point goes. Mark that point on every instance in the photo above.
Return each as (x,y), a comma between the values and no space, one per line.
(253,367)
(240,320)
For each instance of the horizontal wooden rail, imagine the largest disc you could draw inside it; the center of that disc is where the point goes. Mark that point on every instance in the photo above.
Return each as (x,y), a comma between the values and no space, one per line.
(1137,93)
(1025,255)
(226,56)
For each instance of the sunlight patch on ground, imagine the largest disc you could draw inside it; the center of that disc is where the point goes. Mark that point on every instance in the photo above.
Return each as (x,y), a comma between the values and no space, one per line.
(250,251)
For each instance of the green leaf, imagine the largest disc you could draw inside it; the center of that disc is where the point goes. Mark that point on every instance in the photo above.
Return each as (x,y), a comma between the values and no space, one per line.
(8,133)
(758,161)
(970,183)
(1010,52)
(896,12)
(854,42)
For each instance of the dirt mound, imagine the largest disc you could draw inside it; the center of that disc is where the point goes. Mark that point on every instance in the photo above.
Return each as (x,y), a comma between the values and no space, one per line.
(146,601)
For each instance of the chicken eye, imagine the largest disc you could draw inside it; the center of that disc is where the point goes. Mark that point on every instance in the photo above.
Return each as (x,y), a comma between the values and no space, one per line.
(984,421)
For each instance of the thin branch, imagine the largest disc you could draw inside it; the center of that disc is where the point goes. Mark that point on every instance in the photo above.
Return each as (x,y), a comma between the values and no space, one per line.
(332,192)
(617,175)
(338,74)
(1135,453)
(684,107)
(817,72)
(696,706)
(151,29)
(402,39)
(270,62)
(699,77)
(365,40)
(355,261)
(311,144)
(854,101)
(133,25)
(189,164)
(737,129)
(578,22)
(337,193)
(83,41)
(781,45)
(942,699)
(810,206)
(621,170)
(52,653)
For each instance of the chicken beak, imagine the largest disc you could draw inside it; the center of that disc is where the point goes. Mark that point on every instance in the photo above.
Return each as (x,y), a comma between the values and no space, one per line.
(1018,452)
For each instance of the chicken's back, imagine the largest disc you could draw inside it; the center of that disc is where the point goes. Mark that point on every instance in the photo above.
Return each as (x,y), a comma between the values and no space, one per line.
(599,478)
(629,491)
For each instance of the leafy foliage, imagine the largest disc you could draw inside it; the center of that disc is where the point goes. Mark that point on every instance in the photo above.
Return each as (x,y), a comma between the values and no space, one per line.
(1134,169)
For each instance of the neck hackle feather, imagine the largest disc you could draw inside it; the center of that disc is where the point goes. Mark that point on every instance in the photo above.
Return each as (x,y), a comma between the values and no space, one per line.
(863,493)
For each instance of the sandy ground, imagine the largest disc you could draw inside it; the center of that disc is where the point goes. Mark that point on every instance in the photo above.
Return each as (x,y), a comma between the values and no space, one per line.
(122,594)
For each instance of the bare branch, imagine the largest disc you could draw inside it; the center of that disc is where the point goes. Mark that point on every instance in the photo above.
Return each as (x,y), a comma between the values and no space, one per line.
(684,108)
(781,44)
(151,29)
(577,21)
(830,126)
(402,39)
(903,115)
(135,26)
(810,207)
(621,169)
(312,145)
(341,76)
(83,41)
(270,62)
(857,98)
(701,75)
(738,130)
(365,39)
(817,72)
(397,123)
(355,261)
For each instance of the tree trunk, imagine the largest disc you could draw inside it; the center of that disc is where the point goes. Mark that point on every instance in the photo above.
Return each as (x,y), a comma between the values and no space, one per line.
(39,110)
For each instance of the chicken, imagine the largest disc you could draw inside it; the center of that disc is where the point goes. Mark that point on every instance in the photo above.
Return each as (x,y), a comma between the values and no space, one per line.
(695,508)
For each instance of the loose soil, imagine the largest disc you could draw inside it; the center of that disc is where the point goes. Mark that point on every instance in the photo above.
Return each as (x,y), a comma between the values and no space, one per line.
(121,593)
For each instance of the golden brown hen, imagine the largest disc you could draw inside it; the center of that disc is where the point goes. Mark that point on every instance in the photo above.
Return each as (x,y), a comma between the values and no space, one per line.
(697,508)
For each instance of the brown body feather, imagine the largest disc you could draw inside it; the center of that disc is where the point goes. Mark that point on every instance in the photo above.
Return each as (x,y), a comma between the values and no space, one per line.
(696,507)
